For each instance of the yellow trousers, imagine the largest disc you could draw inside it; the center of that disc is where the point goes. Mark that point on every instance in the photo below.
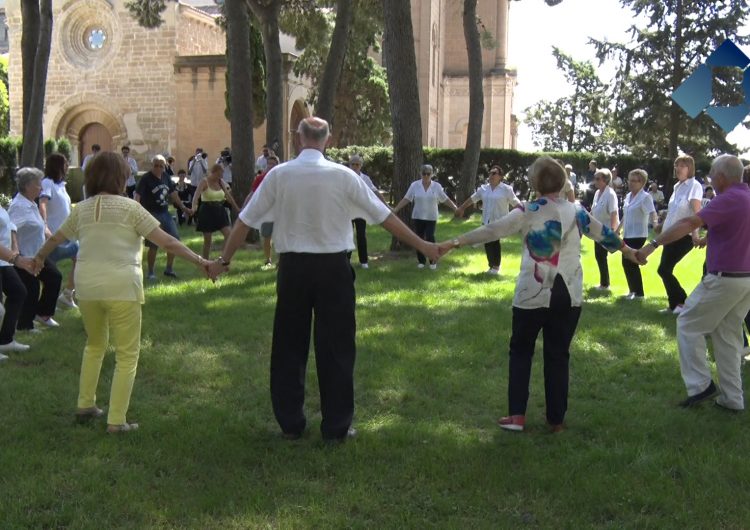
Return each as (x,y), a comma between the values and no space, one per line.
(123,320)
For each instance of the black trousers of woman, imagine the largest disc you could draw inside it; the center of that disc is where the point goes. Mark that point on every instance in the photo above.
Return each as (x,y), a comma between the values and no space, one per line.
(15,294)
(494,254)
(747,327)
(558,324)
(600,253)
(360,227)
(48,282)
(633,271)
(670,257)
(425,230)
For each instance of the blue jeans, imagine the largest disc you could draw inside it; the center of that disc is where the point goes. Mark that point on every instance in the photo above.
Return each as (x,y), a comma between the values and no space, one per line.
(67,250)
(166,223)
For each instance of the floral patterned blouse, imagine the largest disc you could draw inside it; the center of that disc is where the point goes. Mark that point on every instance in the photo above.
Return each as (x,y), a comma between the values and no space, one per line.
(551,230)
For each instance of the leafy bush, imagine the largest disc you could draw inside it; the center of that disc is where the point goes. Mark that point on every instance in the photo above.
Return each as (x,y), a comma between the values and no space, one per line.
(50,146)
(74,184)
(5,200)
(64,147)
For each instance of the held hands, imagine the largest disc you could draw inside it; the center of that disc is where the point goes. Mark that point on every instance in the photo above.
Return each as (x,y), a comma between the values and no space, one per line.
(642,254)
(430,250)
(445,247)
(214,269)
(631,255)
(30,265)
(699,242)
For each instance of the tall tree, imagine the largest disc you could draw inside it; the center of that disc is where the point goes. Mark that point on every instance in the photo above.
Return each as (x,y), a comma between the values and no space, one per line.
(329,82)
(401,66)
(476,101)
(579,122)
(675,38)
(36,41)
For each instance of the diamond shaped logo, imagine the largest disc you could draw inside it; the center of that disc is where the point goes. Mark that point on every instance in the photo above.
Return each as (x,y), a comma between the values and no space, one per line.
(694,95)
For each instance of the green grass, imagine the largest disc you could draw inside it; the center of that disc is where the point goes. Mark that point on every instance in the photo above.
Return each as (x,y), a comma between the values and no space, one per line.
(431,379)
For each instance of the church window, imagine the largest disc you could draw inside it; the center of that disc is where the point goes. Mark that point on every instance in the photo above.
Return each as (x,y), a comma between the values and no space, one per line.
(97,38)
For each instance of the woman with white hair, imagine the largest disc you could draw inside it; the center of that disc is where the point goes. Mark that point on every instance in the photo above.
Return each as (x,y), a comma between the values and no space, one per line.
(604,210)
(638,209)
(30,230)
(425,194)
(360,226)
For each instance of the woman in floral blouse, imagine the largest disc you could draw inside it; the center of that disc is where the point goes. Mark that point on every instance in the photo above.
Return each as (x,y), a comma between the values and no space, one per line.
(549,287)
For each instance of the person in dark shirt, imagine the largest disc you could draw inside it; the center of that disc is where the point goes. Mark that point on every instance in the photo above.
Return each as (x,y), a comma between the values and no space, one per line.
(154,191)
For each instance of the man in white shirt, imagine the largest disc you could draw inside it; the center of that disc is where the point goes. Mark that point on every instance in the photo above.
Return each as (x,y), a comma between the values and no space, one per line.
(94,150)
(311,202)
(130,183)
(225,160)
(262,161)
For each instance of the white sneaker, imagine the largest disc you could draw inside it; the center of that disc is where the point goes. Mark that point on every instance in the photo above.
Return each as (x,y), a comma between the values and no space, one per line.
(14,346)
(493,271)
(629,296)
(66,299)
(678,309)
(420,265)
(3,357)
(49,322)
(433,266)
(364,265)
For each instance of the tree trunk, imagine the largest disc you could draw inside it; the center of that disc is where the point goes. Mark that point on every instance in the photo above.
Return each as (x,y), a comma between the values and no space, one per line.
(329,83)
(573,118)
(268,15)
(33,149)
(401,66)
(29,42)
(476,102)
(240,99)
(678,74)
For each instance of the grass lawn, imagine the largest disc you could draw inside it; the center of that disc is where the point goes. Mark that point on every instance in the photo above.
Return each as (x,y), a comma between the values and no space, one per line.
(431,379)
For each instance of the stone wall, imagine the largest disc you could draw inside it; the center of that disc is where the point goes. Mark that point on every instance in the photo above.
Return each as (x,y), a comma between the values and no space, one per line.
(197,35)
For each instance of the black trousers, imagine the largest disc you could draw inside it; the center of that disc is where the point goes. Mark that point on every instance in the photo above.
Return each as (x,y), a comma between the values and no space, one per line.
(130,190)
(558,324)
(48,282)
(747,327)
(670,257)
(600,253)
(425,230)
(360,226)
(314,291)
(15,294)
(494,254)
(633,271)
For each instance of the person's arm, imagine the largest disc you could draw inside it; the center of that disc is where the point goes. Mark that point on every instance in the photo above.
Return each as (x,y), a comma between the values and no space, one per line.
(613,220)
(175,197)
(401,204)
(571,196)
(678,230)
(468,202)
(404,234)
(43,212)
(236,239)
(51,244)
(230,198)
(696,205)
(506,225)
(174,246)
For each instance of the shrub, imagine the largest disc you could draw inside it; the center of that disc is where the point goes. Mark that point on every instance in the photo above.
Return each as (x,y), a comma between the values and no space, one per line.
(50,146)
(64,147)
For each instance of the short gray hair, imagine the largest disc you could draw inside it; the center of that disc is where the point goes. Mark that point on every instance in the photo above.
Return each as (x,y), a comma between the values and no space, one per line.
(26,175)
(427,167)
(728,165)
(356,159)
(316,132)
(605,173)
(159,158)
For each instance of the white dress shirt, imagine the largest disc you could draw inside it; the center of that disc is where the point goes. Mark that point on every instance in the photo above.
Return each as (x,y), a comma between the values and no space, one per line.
(133,170)
(311,202)
(679,202)
(261,163)
(368,181)
(197,169)
(635,213)
(29,225)
(605,202)
(425,201)
(6,227)
(58,205)
(495,202)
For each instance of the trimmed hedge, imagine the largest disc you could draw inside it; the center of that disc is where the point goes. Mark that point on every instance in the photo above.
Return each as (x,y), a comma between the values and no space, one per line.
(447,163)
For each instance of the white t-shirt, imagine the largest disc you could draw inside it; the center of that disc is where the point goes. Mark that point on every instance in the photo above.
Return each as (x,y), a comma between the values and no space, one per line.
(6,227)
(679,202)
(495,202)
(635,214)
(425,201)
(311,202)
(605,202)
(58,205)
(133,171)
(226,176)
(29,225)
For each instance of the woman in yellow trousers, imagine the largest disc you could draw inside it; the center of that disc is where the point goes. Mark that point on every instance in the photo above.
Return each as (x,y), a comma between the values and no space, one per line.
(109,281)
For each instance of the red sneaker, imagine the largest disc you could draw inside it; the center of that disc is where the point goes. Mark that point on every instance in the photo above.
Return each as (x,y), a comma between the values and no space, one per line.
(512,423)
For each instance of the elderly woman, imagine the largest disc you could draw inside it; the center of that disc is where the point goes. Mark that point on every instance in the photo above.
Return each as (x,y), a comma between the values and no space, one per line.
(11,285)
(549,287)
(109,281)
(360,226)
(637,211)
(54,205)
(425,194)
(212,191)
(496,198)
(604,210)
(30,229)
(686,200)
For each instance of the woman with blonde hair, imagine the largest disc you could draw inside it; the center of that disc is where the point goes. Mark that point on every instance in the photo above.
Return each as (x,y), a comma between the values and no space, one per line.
(212,192)
(604,209)
(109,281)
(638,209)
(549,287)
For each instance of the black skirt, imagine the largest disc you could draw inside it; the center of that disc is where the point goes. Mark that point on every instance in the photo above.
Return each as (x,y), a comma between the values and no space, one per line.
(212,217)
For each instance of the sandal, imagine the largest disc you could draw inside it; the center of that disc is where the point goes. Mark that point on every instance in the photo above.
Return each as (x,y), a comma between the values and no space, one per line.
(125,427)
(84,415)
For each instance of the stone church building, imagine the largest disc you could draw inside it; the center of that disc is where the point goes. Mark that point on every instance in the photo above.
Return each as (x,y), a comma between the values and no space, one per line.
(115,83)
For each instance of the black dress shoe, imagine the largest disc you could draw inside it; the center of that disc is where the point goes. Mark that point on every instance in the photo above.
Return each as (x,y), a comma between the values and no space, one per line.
(708,393)
(351,433)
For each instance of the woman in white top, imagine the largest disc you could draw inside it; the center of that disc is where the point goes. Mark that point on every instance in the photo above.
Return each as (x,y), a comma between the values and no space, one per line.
(425,194)
(54,205)
(496,198)
(685,201)
(549,287)
(637,211)
(30,230)
(604,210)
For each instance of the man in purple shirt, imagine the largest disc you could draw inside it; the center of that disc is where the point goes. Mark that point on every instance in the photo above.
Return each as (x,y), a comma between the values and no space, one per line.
(717,306)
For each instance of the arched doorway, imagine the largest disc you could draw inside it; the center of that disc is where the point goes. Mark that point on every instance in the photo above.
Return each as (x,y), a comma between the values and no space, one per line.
(299,113)
(93,133)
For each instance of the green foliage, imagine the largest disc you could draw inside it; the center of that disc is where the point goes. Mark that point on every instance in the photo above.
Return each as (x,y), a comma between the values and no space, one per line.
(50,146)
(662,52)
(362,109)
(74,184)
(64,147)
(5,200)
(147,12)
(9,152)
(579,122)
(4,70)
(4,110)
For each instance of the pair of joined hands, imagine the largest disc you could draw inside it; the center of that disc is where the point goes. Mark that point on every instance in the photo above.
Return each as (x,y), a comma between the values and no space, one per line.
(212,268)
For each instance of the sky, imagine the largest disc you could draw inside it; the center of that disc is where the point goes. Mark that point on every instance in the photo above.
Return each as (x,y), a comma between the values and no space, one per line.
(536,27)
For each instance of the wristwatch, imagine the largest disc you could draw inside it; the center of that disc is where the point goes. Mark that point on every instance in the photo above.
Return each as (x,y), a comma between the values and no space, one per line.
(456,243)
(223,262)
(654,243)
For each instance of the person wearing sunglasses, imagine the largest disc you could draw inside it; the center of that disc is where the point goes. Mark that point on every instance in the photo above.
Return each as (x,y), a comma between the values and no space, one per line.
(604,209)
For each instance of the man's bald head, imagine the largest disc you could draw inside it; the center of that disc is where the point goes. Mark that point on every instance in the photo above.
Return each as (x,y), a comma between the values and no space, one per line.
(314,133)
